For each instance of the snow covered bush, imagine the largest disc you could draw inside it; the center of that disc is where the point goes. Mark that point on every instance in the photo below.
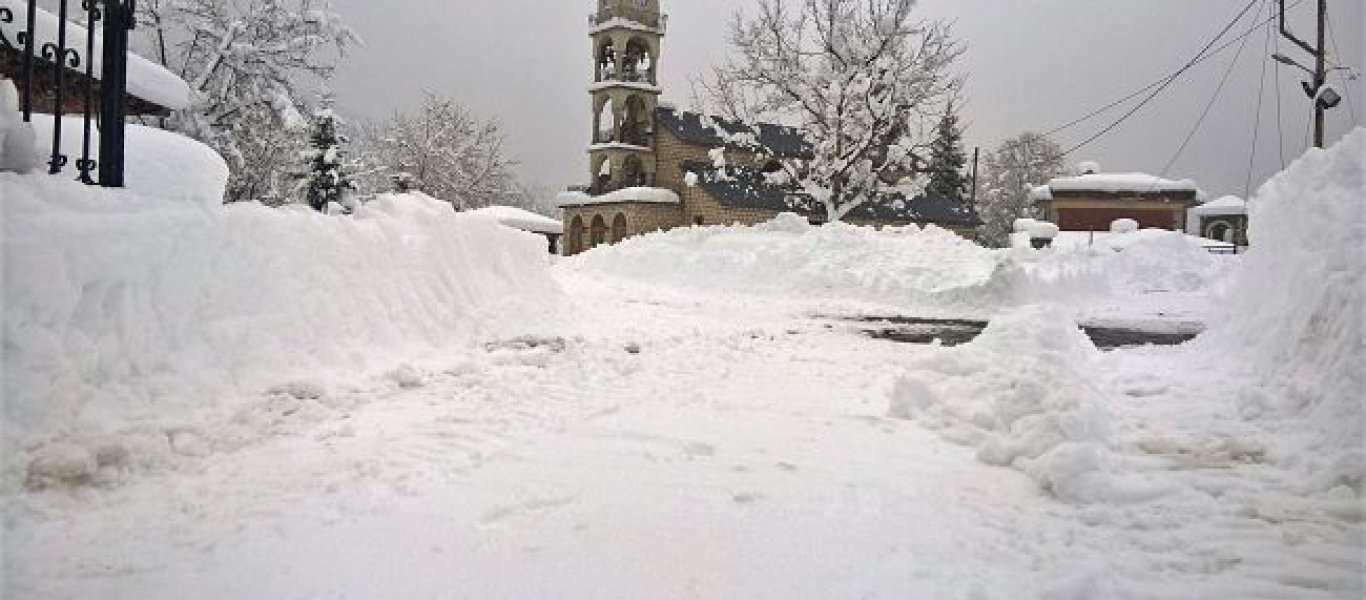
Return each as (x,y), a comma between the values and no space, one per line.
(1296,309)
(327,181)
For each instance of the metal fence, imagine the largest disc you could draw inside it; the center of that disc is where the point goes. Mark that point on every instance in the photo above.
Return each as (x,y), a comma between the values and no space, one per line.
(59,68)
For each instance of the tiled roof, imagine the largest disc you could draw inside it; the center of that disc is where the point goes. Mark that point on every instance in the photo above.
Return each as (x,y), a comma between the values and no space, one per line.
(701,130)
(747,189)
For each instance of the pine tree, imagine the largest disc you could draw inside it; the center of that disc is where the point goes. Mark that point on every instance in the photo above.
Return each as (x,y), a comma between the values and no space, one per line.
(326,181)
(947,159)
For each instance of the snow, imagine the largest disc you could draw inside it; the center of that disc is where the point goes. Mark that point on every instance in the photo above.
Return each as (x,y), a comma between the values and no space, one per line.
(623,23)
(1124,226)
(646,195)
(631,85)
(1119,183)
(18,142)
(1225,206)
(146,79)
(521,219)
(129,314)
(684,414)
(1121,241)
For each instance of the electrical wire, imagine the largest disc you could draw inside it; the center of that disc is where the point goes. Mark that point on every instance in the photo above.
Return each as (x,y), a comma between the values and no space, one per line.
(1218,91)
(1280,120)
(1346,82)
(1202,57)
(1257,118)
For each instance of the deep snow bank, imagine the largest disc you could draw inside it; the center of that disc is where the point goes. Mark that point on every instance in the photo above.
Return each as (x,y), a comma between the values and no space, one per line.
(123,309)
(1022,394)
(1296,307)
(905,267)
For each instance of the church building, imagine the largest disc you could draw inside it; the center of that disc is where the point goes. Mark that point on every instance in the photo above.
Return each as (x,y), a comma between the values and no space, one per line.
(654,167)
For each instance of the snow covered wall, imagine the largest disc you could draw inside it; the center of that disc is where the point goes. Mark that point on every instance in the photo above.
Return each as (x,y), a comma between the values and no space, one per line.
(155,305)
(1298,302)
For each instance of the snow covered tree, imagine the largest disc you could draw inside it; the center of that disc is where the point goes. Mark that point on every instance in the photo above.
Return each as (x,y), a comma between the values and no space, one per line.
(947,159)
(859,77)
(246,61)
(1008,175)
(445,151)
(326,181)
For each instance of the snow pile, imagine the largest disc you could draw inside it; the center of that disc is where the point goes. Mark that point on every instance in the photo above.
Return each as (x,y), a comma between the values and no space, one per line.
(1122,183)
(524,220)
(1023,395)
(787,256)
(18,143)
(647,195)
(1296,310)
(128,315)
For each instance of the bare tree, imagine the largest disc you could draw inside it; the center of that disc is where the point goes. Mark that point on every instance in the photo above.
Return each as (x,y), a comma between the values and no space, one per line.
(859,77)
(445,151)
(1009,174)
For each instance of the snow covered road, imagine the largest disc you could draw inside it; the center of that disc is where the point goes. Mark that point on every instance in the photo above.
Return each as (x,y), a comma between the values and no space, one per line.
(663,444)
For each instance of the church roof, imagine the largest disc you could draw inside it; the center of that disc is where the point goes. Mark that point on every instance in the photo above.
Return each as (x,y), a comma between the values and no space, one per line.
(747,189)
(714,132)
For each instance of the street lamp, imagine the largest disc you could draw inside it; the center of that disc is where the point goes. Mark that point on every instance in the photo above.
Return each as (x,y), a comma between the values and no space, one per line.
(1286,60)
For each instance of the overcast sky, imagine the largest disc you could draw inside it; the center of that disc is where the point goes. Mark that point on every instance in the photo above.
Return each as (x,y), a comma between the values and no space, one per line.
(1031,65)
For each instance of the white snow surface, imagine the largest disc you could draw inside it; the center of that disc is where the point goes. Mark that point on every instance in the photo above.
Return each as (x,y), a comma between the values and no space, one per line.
(1114,183)
(130,315)
(691,414)
(523,219)
(146,79)
(1227,205)
(646,195)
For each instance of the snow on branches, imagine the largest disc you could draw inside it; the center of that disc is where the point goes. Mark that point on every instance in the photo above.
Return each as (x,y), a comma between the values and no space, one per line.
(444,151)
(859,77)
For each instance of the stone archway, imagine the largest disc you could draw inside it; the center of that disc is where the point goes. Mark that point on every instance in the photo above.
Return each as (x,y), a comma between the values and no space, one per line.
(619,228)
(633,172)
(575,245)
(597,234)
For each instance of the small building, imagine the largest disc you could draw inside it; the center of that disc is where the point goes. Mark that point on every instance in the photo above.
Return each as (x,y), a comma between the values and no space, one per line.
(654,167)
(525,220)
(1094,200)
(152,89)
(1224,219)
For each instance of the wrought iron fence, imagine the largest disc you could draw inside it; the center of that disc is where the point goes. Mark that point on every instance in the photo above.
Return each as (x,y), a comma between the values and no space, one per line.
(47,53)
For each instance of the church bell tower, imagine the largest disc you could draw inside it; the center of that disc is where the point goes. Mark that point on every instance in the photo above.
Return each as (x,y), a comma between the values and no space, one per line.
(627,40)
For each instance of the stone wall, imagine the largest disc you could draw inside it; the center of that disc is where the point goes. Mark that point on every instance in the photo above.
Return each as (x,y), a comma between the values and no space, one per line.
(640,218)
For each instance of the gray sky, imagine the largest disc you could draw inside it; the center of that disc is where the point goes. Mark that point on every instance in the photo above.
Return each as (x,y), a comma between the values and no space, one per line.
(1031,65)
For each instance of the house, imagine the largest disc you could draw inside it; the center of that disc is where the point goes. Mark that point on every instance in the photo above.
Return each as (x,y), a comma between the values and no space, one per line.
(1093,200)
(525,220)
(152,90)
(1224,219)
(654,167)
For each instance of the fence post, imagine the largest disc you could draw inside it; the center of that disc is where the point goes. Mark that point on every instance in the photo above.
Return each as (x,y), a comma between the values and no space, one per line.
(118,20)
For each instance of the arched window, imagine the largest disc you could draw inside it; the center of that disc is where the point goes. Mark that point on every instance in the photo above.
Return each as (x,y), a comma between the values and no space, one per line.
(638,65)
(597,236)
(619,228)
(575,236)
(635,128)
(1220,230)
(606,120)
(607,61)
(603,183)
(632,172)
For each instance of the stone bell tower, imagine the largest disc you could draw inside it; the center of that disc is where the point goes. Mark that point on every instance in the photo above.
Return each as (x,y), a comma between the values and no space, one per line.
(627,39)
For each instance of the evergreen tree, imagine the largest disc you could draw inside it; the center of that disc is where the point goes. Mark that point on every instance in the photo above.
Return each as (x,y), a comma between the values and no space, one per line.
(947,159)
(326,180)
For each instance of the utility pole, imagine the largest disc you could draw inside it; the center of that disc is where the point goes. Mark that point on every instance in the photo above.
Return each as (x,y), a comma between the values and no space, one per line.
(976,153)
(1323,100)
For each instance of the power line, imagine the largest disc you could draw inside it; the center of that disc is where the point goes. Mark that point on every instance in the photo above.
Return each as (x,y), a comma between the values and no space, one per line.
(1280,121)
(1218,91)
(1347,83)
(1204,56)
(1257,119)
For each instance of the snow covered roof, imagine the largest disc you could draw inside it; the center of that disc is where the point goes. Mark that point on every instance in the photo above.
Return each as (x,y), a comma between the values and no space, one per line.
(749,189)
(713,132)
(146,80)
(1226,206)
(1122,183)
(645,195)
(525,220)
